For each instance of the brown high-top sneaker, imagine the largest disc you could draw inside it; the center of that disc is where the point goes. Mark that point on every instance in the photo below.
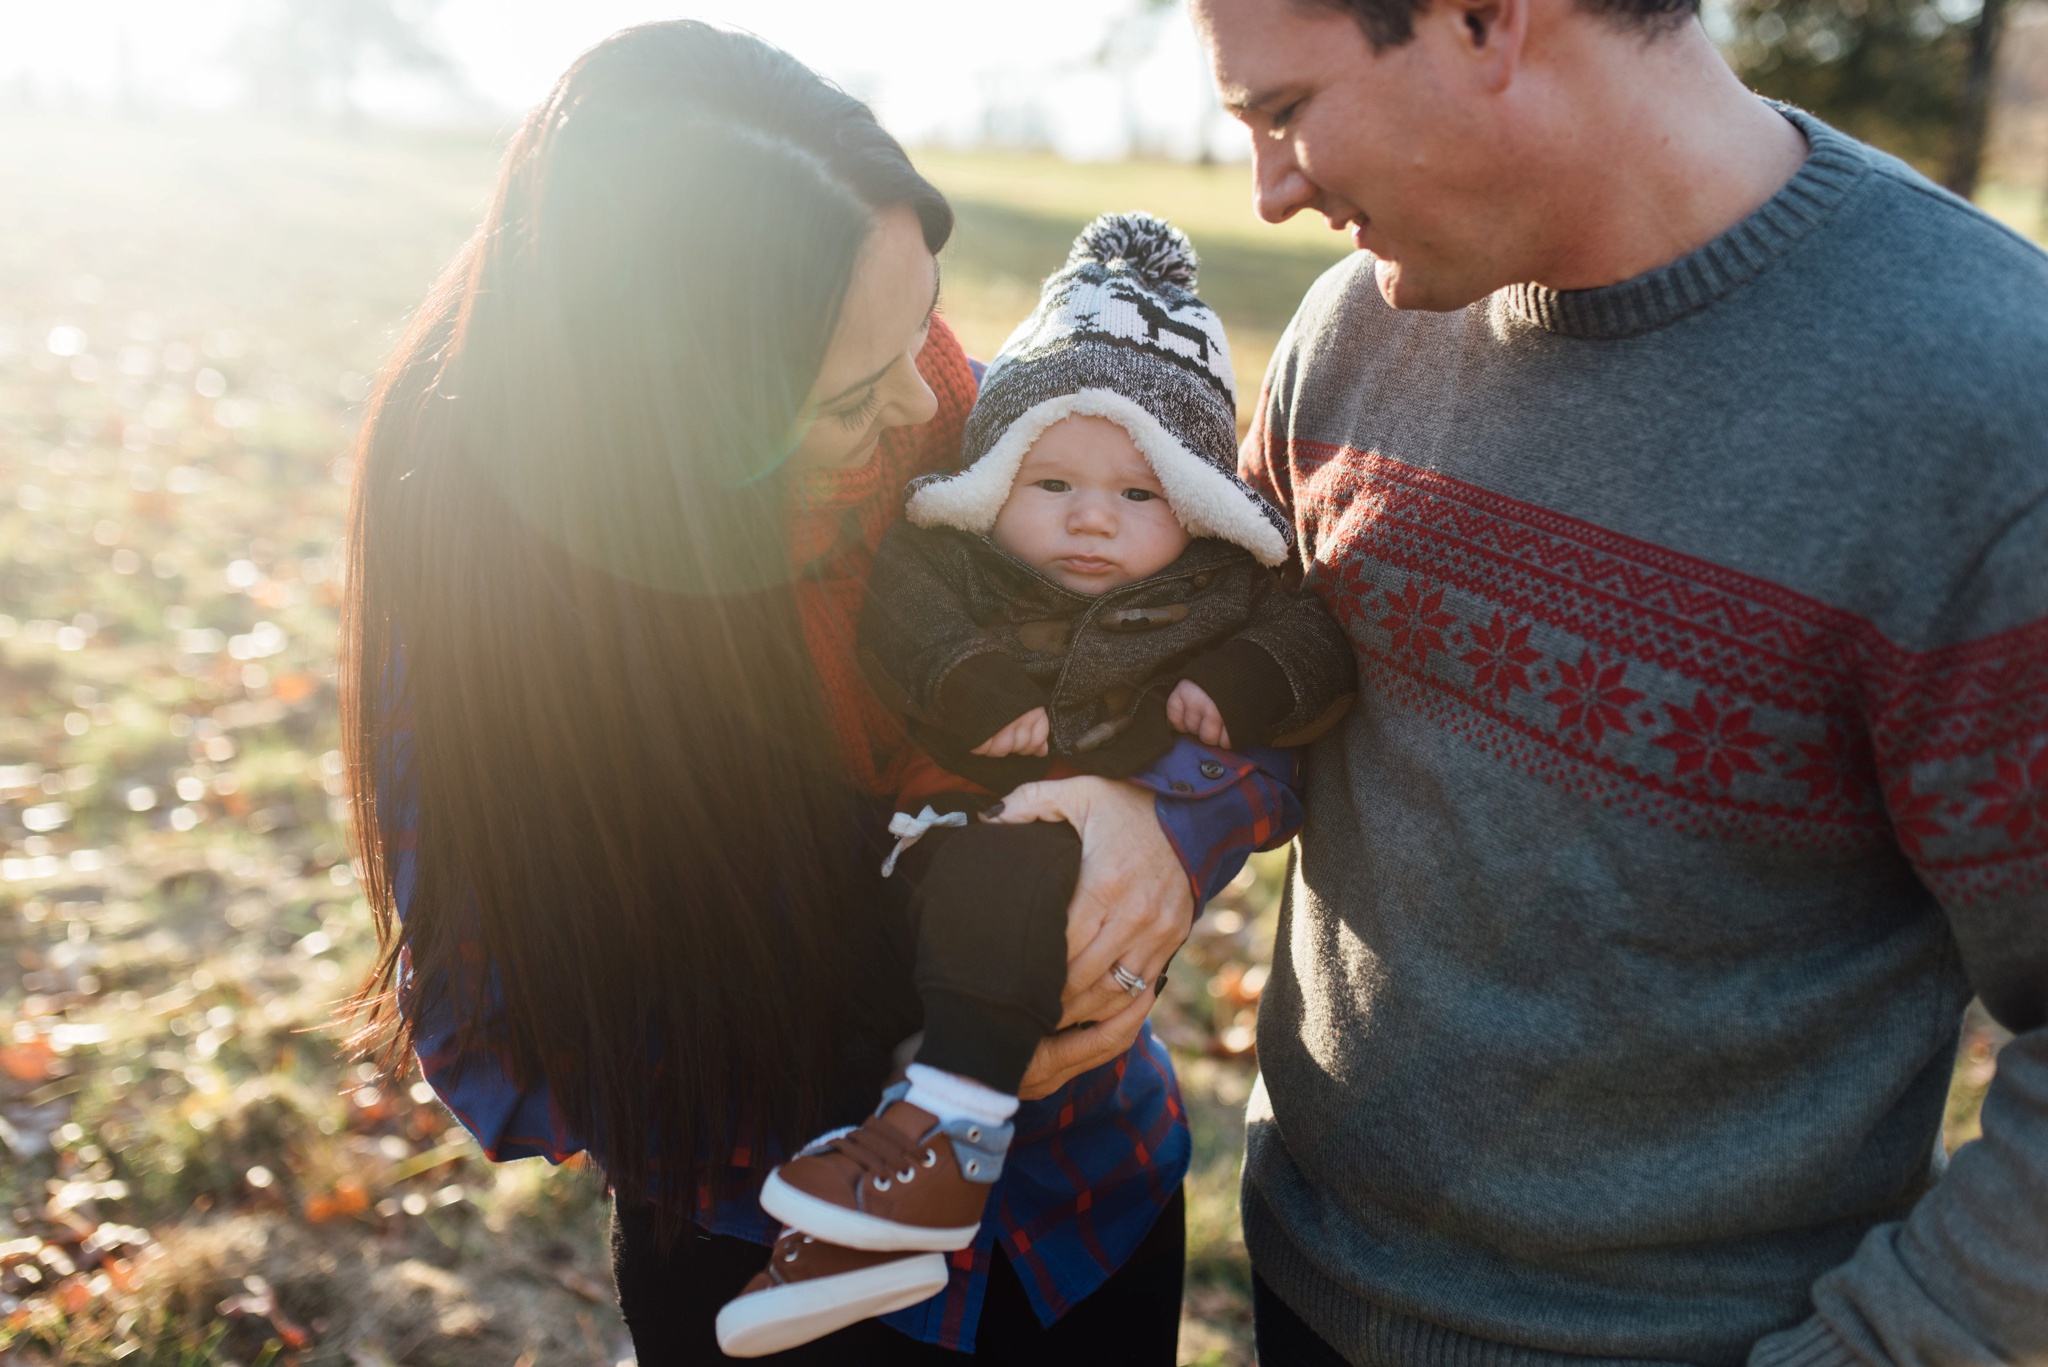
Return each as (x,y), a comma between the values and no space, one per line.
(811,1288)
(900,1181)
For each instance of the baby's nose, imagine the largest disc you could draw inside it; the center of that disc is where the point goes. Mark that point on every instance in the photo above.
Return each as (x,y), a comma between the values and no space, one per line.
(1093,514)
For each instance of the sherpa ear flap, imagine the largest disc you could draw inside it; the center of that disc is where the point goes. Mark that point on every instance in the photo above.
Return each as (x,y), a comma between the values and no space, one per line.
(1207,501)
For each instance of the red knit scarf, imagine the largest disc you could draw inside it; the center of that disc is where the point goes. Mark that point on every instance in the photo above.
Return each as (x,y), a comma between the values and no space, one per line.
(835,526)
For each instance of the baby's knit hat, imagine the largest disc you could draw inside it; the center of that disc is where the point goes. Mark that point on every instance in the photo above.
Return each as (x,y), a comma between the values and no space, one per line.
(1119,334)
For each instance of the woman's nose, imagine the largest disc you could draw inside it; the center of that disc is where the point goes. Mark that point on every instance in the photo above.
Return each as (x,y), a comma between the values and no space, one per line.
(910,400)
(1280,188)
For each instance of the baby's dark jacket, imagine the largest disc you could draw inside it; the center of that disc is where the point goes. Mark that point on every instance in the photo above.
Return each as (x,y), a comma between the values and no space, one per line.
(963,638)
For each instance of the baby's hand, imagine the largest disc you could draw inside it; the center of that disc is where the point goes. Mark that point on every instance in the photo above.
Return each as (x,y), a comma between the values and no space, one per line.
(1192,712)
(1025,736)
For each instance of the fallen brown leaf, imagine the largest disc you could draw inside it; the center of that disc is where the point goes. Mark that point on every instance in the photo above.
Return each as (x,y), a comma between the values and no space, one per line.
(588,1287)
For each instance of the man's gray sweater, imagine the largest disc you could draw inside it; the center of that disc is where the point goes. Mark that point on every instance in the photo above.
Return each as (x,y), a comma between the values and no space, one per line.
(1699,775)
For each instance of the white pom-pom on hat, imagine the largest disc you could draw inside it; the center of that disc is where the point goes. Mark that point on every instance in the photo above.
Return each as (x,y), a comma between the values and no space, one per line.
(1149,245)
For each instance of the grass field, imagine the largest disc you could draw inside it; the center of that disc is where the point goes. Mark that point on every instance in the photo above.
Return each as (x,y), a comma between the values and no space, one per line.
(195,1173)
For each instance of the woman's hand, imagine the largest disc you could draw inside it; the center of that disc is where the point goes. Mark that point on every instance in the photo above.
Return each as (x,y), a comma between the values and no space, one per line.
(1133,905)
(1071,1052)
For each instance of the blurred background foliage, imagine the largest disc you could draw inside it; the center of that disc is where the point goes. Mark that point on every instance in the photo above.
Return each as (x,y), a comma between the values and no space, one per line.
(1911,76)
(302,57)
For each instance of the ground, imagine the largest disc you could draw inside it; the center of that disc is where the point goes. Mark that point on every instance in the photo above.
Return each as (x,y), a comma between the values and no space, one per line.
(198,1170)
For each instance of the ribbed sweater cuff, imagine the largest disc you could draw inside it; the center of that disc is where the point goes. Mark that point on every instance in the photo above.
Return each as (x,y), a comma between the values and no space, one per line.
(1248,687)
(985,693)
(1812,1344)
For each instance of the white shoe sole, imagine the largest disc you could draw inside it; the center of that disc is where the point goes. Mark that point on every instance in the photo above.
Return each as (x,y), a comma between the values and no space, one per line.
(856,1229)
(785,1316)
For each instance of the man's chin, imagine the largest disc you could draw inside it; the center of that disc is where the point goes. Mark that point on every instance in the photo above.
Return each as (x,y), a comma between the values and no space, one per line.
(1406,288)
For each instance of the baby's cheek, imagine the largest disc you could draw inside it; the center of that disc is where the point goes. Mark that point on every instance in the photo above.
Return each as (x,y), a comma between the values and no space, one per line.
(1016,531)
(1164,537)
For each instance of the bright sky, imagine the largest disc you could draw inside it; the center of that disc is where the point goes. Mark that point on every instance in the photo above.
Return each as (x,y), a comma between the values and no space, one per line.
(937,70)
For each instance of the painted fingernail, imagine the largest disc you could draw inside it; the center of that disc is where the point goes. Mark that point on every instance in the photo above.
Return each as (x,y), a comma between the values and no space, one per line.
(992,811)
(1159,986)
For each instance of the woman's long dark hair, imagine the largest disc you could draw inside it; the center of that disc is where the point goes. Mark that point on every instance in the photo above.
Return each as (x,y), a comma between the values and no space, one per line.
(574,676)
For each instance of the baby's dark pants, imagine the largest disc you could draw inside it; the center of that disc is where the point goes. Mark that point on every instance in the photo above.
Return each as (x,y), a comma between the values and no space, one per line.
(989,908)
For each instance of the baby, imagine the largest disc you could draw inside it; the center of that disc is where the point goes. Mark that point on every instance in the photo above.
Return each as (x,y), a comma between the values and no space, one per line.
(1095,581)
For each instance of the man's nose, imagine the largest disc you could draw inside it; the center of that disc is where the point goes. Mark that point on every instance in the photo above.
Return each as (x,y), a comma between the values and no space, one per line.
(1280,188)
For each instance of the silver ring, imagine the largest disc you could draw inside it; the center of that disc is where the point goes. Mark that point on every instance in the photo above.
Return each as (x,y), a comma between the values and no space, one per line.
(1127,980)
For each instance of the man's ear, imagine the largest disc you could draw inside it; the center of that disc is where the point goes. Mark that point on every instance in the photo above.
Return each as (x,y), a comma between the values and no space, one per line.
(1492,34)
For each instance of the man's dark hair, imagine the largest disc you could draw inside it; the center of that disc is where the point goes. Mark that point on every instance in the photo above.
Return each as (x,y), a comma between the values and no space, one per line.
(1390,23)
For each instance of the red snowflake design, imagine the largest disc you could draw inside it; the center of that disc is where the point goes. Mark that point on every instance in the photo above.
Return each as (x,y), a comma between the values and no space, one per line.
(2016,800)
(1418,620)
(1713,740)
(1834,767)
(1346,586)
(1502,658)
(1912,814)
(1591,697)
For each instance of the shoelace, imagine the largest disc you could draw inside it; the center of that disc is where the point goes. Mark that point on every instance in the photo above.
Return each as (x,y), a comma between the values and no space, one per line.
(885,1156)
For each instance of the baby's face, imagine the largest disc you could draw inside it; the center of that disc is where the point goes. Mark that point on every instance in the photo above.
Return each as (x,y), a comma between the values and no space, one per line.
(1086,510)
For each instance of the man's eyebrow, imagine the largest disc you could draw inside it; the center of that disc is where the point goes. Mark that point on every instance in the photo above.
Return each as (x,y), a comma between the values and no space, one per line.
(876,378)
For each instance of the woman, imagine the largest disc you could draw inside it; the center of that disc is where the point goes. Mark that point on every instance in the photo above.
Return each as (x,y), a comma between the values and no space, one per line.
(617,782)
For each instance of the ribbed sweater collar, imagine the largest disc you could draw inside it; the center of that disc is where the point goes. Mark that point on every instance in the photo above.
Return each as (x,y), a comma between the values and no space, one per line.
(1833,166)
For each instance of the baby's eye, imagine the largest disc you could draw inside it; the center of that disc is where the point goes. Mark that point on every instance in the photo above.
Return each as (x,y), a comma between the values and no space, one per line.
(1139,495)
(1053,486)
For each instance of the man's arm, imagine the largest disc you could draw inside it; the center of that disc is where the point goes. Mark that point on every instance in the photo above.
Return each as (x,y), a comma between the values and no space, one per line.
(1961,735)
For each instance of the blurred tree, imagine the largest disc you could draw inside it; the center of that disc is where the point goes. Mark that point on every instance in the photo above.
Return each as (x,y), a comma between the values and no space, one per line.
(1911,76)
(1973,112)
(1128,42)
(307,58)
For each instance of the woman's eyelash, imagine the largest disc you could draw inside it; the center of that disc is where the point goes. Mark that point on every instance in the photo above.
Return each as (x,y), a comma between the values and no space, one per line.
(859,415)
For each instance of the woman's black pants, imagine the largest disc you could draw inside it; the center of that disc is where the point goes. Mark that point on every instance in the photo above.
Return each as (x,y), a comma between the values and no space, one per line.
(670,1300)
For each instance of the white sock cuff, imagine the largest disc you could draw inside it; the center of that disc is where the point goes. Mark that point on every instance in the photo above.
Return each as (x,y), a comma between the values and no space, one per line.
(952,1097)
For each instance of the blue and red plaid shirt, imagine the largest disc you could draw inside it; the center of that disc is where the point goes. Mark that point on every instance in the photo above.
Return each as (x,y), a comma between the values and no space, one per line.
(1092,1164)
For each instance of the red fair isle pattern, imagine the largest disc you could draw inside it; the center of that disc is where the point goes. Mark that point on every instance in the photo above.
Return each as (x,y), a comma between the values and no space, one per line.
(1670,689)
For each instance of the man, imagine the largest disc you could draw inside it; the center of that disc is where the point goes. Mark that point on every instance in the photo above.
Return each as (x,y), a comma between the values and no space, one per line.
(1677,466)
